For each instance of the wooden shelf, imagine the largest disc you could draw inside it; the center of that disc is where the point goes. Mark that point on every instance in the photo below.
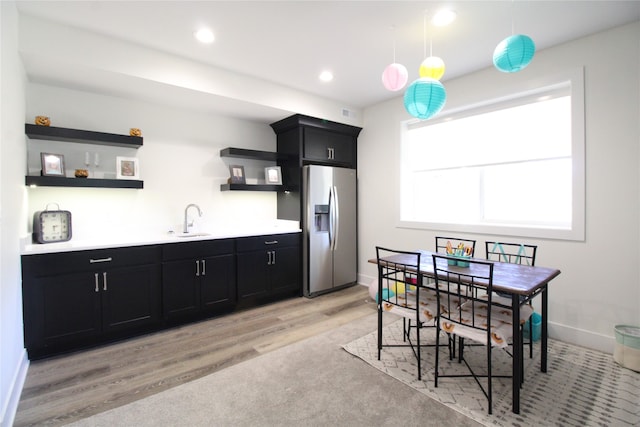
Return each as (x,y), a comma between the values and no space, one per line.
(56,181)
(243,153)
(51,133)
(250,187)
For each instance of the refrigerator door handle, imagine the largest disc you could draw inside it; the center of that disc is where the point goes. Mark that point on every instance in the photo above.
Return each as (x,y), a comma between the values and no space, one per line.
(331,217)
(336,218)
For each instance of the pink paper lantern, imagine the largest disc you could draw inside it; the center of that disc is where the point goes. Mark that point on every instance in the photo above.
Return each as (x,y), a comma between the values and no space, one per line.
(395,77)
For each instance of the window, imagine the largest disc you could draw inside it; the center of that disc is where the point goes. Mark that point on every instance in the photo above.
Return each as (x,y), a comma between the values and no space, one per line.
(508,167)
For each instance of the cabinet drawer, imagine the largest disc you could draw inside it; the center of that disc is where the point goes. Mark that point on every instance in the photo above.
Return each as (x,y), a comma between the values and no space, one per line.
(71,262)
(272,241)
(203,248)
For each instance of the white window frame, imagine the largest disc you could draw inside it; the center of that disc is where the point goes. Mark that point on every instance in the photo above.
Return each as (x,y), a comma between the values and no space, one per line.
(576,231)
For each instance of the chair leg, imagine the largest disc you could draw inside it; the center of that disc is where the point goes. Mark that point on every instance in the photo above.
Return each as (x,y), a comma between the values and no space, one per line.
(489,397)
(435,376)
(379,330)
(418,326)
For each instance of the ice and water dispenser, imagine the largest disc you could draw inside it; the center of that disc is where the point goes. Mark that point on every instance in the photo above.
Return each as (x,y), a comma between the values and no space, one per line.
(321,218)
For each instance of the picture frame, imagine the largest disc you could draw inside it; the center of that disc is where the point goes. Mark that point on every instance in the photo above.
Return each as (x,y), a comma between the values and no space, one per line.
(273,175)
(52,164)
(237,174)
(127,168)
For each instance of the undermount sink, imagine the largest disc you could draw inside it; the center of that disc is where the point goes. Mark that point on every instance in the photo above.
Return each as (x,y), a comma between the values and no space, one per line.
(183,235)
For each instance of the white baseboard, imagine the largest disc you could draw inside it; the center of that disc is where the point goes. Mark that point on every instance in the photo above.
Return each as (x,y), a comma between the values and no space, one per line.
(557,331)
(10,404)
(582,338)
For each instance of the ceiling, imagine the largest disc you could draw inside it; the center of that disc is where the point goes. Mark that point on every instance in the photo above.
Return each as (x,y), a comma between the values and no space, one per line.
(289,43)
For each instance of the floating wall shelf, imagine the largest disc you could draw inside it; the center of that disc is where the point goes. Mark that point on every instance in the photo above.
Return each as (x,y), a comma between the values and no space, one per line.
(51,133)
(56,181)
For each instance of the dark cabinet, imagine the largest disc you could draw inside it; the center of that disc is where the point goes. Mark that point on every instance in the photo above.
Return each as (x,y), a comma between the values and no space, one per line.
(304,140)
(268,267)
(78,299)
(73,299)
(328,147)
(198,278)
(309,140)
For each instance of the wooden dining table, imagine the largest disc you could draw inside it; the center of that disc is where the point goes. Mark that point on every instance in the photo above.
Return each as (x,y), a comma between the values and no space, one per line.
(523,283)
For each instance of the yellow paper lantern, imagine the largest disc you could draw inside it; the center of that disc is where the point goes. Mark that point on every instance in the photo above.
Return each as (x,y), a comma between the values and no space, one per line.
(432,67)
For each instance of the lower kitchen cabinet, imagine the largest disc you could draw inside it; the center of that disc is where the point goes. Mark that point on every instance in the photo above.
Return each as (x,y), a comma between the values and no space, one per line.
(198,278)
(72,300)
(75,299)
(268,268)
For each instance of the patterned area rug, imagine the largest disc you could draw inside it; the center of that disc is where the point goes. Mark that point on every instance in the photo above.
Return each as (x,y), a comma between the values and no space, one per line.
(582,387)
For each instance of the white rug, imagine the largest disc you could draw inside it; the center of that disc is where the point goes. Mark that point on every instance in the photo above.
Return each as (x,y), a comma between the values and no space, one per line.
(582,387)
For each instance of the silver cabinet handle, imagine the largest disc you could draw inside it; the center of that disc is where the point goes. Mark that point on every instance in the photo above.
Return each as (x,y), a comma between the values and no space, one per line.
(93,261)
(204,267)
(97,286)
(104,281)
(271,242)
(197,267)
(330,153)
(268,257)
(273,258)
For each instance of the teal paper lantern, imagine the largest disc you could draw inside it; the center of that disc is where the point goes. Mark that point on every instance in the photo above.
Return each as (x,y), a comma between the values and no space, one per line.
(514,53)
(425,98)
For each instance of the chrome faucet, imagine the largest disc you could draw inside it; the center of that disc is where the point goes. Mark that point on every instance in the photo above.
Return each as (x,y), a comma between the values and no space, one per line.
(188,224)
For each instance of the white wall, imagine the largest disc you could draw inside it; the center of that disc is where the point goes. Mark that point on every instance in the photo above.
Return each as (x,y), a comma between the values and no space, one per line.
(13,360)
(179,163)
(599,286)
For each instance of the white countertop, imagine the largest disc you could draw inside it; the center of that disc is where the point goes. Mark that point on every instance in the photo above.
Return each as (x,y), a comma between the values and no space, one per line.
(114,241)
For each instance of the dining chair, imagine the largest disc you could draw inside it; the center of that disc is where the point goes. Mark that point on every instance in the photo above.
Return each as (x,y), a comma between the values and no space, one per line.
(478,319)
(397,293)
(443,242)
(515,253)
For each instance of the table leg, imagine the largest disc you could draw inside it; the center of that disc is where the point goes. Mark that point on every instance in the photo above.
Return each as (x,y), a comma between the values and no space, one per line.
(543,339)
(517,353)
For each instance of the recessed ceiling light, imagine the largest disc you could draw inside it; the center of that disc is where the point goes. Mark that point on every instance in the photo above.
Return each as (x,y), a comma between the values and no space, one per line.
(326,76)
(443,17)
(204,35)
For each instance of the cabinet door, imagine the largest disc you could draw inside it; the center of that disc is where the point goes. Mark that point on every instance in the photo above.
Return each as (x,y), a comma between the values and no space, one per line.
(60,309)
(180,288)
(285,271)
(131,297)
(217,282)
(253,274)
(329,147)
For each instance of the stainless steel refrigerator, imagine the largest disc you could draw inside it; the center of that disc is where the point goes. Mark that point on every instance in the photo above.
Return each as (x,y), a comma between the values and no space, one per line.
(330,239)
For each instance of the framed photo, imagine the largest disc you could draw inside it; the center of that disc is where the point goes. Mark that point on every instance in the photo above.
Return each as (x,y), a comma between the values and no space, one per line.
(127,168)
(273,175)
(52,164)
(237,174)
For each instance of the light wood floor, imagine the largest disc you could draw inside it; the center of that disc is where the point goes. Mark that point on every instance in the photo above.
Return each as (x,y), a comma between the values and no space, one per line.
(67,388)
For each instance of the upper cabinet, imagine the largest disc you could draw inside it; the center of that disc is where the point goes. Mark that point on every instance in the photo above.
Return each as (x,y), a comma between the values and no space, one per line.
(304,140)
(322,146)
(66,135)
(316,141)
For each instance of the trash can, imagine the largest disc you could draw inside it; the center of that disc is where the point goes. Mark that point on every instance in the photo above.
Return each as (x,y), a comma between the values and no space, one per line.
(536,321)
(627,351)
